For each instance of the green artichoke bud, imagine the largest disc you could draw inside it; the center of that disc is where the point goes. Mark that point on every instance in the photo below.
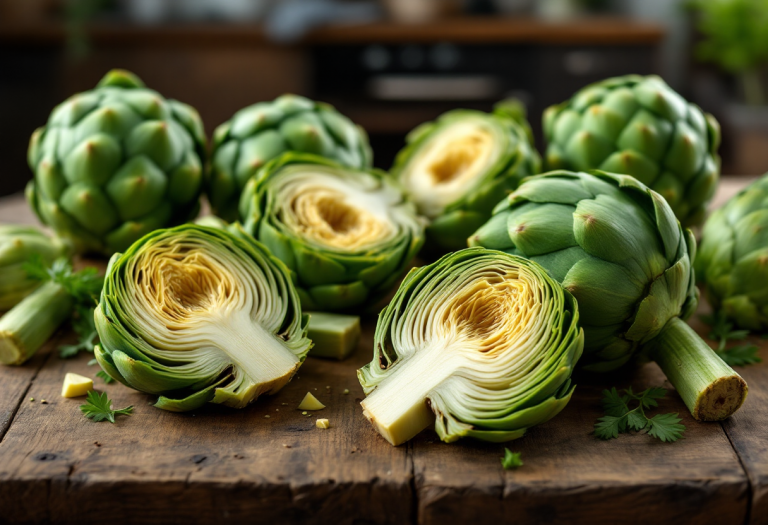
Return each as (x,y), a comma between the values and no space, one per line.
(456,168)
(18,244)
(482,343)
(261,132)
(199,315)
(346,234)
(617,247)
(639,126)
(115,163)
(733,259)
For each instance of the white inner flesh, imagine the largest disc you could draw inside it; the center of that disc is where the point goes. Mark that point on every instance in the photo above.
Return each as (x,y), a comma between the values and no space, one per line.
(450,164)
(197,299)
(339,211)
(472,342)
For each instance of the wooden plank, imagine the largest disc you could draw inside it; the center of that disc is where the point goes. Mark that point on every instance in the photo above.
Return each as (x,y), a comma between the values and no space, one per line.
(747,430)
(570,476)
(211,466)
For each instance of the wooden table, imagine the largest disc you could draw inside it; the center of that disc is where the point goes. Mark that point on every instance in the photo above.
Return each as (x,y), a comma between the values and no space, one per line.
(218,466)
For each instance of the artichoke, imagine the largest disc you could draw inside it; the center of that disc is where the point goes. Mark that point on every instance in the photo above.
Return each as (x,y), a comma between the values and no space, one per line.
(115,163)
(199,315)
(346,234)
(261,132)
(639,126)
(18,244)
(481,342)
(733,260)
(456,168)
(617,247)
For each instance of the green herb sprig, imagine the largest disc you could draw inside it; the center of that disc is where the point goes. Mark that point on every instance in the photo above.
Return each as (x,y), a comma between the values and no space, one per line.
(722,330)
(620,418)
(99,408)
(511,460)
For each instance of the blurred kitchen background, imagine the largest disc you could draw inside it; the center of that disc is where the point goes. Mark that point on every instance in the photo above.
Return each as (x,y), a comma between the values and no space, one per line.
(388,64)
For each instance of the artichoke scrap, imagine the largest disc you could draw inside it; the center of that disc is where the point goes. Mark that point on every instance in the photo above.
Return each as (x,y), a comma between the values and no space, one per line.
(197,315)
(18,244)
(456,168)
(261,132)
(639,126)
(481,343)
(732,262)
(617,247)
(346,234)
(115,163)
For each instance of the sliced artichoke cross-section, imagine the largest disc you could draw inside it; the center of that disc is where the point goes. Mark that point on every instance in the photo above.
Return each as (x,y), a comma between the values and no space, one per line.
(456,168)
(346,233)
(196,315)
(481,343)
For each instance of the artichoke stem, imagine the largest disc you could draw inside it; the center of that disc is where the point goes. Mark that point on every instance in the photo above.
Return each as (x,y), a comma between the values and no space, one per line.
(261,355)
(29,324)
(711,389)
(398,406)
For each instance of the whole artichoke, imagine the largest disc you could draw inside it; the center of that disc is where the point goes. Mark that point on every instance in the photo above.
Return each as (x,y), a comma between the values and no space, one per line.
(639,126)
(115,163)
(198,315)
(733,259)
(617,247)
(481,344)
(259,133)
(18,244)
(456,168)
(347,234)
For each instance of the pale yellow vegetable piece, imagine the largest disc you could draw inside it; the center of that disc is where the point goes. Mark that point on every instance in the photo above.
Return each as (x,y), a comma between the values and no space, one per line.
(76,385)
(310,402)
(322,423)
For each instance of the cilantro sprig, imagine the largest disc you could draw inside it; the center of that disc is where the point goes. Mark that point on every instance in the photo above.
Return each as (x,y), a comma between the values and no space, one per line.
(620,418)
(723,331)
(99,408)
(511,460)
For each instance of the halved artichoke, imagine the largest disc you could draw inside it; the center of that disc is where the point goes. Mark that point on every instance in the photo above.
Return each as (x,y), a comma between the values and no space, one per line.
(457,168)
(481,342)
(17,245)
(346,233)
(199,314)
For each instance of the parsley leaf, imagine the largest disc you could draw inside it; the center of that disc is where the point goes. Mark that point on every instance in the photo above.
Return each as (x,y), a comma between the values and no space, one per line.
(99,408)
(666,427)
(620,418)
(106,377)
(721,330)
(511,460)
(740,355)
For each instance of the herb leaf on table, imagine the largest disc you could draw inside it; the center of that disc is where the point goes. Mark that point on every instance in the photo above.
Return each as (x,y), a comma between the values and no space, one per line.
(620,418)
(511,460)
(99,408)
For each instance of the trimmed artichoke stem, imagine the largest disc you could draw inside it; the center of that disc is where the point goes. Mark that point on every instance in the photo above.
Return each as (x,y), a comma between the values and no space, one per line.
(398,407)
(711,389)
(29,324)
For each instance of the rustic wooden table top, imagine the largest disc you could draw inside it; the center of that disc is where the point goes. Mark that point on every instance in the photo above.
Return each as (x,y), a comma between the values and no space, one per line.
(218,465)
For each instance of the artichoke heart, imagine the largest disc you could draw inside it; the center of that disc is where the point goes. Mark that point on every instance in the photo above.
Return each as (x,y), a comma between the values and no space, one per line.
(732,262)
(347,234)
(197,314)
(456,168)
(482,343)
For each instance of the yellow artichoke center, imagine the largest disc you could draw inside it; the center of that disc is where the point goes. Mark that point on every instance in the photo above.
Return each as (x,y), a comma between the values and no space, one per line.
(327,217)
(458,158)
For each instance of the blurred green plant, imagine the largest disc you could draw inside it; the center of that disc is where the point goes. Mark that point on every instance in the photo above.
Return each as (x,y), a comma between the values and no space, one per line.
(77,14)
(735,37)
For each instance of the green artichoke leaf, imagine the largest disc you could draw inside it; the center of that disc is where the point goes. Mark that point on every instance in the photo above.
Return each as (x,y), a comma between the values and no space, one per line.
(480,343)
(200,314)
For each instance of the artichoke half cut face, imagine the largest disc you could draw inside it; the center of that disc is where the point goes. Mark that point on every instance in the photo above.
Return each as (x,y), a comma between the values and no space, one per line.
(197,314)
(347,234)
(452,162)
(481,342)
